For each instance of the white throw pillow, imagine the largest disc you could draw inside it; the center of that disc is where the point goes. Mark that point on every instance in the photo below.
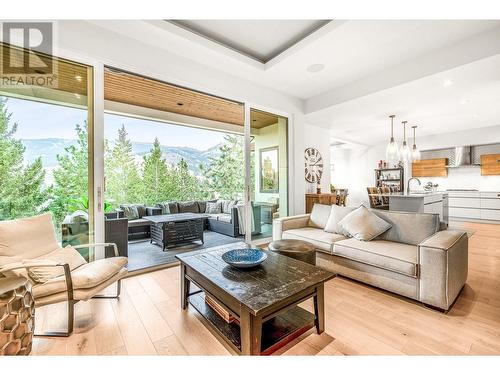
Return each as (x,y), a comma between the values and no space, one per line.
(363,225)
(67,255)
(337,213)
(213,208)
(319,215)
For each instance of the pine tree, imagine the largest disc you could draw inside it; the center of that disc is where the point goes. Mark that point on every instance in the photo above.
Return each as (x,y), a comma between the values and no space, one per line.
(71,175)
(123,182)
(225,174)
(21,186)
(187,186)
(156,181)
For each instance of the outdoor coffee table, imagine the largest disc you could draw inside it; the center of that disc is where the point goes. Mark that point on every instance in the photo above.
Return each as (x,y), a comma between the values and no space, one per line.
(172,229)
(264,300)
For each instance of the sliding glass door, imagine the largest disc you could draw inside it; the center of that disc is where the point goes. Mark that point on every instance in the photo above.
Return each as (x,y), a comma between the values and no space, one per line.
(46,138)
(268,180)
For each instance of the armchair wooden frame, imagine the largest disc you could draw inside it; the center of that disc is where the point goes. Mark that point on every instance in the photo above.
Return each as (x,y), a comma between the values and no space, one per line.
(69,286)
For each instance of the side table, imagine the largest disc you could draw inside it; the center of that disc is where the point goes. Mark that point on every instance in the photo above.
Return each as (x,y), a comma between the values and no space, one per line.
(17,316)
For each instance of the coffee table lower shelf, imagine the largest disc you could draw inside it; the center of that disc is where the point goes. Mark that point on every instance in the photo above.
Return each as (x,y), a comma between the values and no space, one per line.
(276,332)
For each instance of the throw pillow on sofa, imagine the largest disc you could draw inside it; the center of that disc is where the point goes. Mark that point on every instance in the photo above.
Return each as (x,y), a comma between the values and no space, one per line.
(213,208)
(130,211)
(165,208)
(188,207)
(319,215)
(363,225)
(337,213)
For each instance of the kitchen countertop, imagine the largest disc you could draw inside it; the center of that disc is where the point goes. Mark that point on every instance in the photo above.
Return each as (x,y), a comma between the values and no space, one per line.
(411,195)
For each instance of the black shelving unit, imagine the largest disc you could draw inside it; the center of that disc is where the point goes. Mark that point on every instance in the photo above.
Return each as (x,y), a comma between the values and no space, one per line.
(390,177)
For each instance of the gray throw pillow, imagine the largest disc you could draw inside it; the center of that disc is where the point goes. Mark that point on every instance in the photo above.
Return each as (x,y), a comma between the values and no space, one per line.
(165,208)
(130,211)
(214,208)
(337,213)
(363,225)
(188,207)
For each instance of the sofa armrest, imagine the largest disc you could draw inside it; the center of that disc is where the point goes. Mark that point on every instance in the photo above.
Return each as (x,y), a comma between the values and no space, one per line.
(443,267)
(286,223)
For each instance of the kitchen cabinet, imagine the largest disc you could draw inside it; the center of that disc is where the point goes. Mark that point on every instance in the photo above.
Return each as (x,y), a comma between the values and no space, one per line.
(430,168)
(475,205)
(490,164)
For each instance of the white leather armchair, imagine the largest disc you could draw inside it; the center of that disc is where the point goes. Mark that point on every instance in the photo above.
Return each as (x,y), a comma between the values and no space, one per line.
(28,248)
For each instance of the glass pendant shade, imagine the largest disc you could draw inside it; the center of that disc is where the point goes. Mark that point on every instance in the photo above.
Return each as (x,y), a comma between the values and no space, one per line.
(405,151)
(415,152)
(392,149)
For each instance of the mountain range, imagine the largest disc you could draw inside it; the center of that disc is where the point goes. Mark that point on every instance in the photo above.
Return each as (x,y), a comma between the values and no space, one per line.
(49,148)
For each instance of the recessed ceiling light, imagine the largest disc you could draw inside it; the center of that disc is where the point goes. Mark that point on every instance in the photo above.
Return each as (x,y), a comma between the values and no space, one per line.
(315,68)
(78,78)
(447,82)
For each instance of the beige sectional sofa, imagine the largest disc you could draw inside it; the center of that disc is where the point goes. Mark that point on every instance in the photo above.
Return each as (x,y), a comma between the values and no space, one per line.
(413,258)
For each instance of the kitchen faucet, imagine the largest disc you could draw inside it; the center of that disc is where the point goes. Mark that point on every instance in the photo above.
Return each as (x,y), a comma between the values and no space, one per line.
(408,184)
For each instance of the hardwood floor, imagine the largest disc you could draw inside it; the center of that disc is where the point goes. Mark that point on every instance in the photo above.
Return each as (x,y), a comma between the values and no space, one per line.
(360,319)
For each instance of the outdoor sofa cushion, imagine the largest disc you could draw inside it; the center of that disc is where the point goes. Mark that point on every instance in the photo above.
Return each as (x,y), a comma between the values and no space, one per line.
(191,207)
(213,208)
(363,224)
(392,256)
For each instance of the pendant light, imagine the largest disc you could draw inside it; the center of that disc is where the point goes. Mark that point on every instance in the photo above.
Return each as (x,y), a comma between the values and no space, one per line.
(415,152)
(405,150)
(392,150)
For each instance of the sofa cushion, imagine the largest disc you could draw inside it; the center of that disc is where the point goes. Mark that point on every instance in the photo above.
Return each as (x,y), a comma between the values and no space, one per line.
(213,208)
(138,223)
(226,218)
(60,256)
(392,256)
(321,240)
(226,205)
(337,213)
(408,227)
(319,215)
(203,205)
(191,207)
(165,208)
(133,211)
(86,276)
(363,224)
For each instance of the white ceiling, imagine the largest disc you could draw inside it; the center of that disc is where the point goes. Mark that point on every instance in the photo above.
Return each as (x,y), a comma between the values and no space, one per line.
(372,68)
(260,39)
(471,101)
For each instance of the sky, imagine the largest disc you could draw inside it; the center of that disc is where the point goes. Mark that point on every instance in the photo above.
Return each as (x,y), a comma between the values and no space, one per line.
(40,120)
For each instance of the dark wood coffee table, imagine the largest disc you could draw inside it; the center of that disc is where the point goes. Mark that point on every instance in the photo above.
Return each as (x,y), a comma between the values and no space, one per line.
(264,300)
(172,229)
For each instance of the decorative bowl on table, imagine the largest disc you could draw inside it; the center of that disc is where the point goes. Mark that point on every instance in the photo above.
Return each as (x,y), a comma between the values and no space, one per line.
(244,258)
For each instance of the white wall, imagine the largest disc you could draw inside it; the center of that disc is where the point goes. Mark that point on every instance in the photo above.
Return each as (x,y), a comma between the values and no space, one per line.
(319,138)
(359,164)
(86,42)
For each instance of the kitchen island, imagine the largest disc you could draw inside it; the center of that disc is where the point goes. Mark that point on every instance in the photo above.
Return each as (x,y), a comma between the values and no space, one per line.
(432,202)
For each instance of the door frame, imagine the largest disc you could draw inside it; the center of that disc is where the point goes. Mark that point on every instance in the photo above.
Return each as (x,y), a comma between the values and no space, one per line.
(247,150)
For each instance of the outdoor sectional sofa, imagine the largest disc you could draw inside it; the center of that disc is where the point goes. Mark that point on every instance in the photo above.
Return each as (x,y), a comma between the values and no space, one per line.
(226,223)
(413,258)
